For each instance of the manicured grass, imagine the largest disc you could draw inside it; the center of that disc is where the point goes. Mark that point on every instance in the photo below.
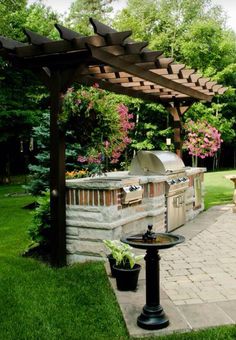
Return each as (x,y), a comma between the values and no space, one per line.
(218,190)
(39,302)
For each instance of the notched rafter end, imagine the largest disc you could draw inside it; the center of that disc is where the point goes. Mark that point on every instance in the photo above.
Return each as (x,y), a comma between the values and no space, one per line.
(222,90)
(35,38)
(135,48)
(66,33)
(10,44)
(117,38)
(148,56)
(100,28)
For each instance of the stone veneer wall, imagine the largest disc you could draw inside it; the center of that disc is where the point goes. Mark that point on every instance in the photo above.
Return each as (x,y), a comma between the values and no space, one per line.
(191,209)
(97,213)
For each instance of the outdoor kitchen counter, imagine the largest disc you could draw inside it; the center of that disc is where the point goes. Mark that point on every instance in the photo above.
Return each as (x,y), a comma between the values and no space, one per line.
(106,207)
(117,179)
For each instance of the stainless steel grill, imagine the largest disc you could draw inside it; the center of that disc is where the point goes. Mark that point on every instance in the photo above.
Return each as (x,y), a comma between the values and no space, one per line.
(156,163)
(169,165)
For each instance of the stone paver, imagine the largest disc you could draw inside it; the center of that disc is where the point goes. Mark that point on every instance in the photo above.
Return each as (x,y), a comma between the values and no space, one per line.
(204,315)
(214,251)
(198,277)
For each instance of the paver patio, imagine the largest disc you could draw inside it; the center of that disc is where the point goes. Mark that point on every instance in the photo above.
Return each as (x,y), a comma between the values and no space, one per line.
(198,277)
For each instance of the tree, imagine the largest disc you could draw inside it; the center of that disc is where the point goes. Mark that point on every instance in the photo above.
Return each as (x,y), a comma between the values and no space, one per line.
(41,19)
(39,171)
(152,127)
(82,10)
(140,17)
(13,15)
(22,95)
(164,22)
(208,47)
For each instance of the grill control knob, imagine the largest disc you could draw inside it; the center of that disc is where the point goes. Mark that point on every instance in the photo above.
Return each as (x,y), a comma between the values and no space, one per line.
(133,188)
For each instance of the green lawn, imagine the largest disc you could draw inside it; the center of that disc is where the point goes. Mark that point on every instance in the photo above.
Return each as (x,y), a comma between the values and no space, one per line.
(39,302)
(218,190)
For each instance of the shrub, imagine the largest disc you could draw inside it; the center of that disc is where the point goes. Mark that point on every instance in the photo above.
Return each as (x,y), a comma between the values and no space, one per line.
(40,230)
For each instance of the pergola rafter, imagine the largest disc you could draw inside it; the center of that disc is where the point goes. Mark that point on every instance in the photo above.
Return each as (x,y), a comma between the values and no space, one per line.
(117,64)
(112,57)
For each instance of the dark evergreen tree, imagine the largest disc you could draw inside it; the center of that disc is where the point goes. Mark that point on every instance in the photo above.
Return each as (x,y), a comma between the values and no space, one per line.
(39,172)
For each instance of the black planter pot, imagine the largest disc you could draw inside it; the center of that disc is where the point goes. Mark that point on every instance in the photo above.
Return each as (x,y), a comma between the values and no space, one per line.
(127,279)
(112,262)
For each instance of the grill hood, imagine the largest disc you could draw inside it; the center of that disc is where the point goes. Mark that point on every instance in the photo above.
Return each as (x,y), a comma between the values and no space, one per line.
(156,163)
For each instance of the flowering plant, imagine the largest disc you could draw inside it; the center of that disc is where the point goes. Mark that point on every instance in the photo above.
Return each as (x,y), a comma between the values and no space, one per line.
(91,164)
(76,174)
(202,140)
(114,146)
(103,127)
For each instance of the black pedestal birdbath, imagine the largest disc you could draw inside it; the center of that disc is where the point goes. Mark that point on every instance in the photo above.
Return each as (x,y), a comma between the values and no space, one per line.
(153,316)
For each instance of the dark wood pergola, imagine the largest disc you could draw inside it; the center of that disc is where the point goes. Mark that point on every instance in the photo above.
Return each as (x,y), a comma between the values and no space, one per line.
(117,64)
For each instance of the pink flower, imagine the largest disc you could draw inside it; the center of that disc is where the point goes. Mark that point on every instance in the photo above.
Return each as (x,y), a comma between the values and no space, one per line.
(127,140)
(82,159)
(106,144)
(95,159)
(203,140)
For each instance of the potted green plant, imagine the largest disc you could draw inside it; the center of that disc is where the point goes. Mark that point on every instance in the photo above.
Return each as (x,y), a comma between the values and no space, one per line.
(113,246)
(123,264)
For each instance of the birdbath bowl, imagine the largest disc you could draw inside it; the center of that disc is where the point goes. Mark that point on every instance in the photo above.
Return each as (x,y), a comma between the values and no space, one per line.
(153,315)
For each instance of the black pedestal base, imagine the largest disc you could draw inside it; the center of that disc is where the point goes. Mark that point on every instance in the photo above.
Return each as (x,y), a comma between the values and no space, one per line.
(152,318)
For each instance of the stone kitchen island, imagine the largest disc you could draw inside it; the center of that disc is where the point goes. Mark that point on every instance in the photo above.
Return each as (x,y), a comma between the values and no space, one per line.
(117,204)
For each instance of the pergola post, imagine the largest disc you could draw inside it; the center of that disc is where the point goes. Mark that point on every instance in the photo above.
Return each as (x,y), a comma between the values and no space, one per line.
(177,112)
(57,175)
(57,81)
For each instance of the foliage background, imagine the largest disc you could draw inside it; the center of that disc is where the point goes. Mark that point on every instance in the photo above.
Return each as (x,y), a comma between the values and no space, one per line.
(194,33)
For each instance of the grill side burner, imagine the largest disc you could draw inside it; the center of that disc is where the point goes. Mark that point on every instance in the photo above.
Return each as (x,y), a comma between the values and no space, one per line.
(169,165)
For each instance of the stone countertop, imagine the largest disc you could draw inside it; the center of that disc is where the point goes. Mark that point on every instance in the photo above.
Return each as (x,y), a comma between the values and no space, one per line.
(119,179)
(111,181)
(193,171)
